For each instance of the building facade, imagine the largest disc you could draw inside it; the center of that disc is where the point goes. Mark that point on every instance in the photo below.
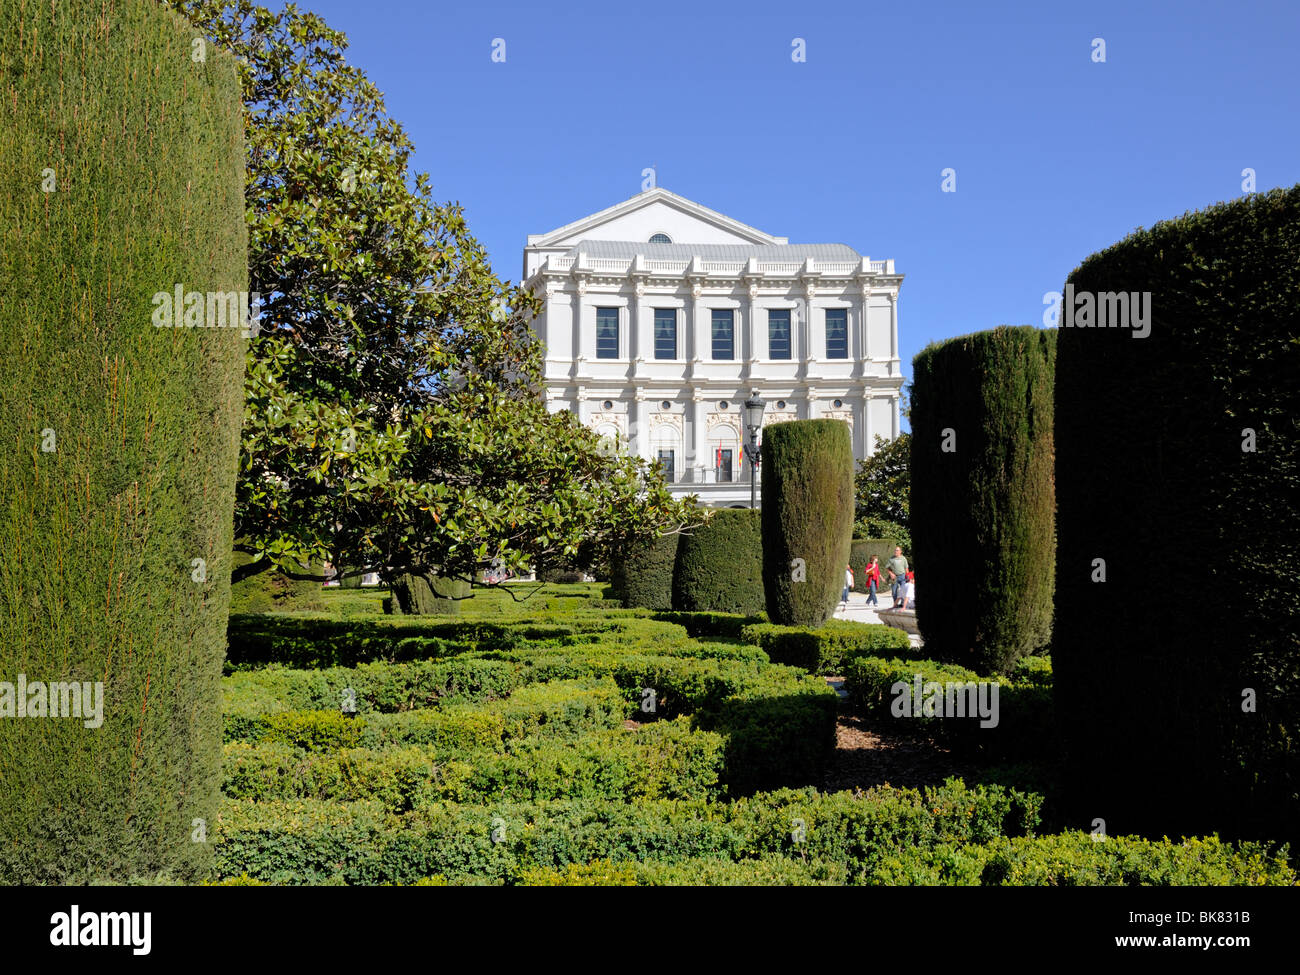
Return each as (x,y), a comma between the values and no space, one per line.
(661,316)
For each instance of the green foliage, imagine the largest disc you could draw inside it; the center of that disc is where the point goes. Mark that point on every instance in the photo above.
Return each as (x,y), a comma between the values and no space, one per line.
(1026,723)
(1197,496)
(666,759)
(983,511)
(719,565)
(384,687)
(270,592)
(883,488)
(327,641)
(710,624)
(306,841)
(807,518)
(1079,860)
(123,179)
(770,870)
(395,375)
(643,572)
(428,595)
(510,761)
(600,873)
(824,650)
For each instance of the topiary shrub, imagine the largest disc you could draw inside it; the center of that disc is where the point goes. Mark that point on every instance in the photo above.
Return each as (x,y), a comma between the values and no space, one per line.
(1178,469)
(982,495)
(426,595)
(272,591)
(719,566)
(826,649)
(643,572)
(807,518)
(119,438)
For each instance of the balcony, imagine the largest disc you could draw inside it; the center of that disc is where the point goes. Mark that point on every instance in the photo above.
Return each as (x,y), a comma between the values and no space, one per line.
(737,473)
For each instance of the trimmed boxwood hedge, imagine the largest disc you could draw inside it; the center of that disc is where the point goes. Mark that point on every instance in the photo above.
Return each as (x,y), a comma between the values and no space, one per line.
(328,641)
(119,438)
(664,759)
(1178,464)
(827,648)
(719,566)
(710,624)
(1078,859)
(312,841)
(1026,728)
(807,513)
(982,514)
(643,572)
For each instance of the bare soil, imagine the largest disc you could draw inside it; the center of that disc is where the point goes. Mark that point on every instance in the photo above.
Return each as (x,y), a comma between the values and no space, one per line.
(868,753)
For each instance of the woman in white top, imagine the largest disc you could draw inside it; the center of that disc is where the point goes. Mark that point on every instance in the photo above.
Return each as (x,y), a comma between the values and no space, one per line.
(848,584)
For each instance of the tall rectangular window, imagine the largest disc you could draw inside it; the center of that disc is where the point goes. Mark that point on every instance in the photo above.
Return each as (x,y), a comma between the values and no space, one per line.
(668,464)
(665,333)
(778,333)
(723,472)
(724,333)
(837,333)
(606,333)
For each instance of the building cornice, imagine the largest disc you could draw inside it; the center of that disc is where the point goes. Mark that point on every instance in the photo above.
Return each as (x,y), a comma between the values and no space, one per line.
(655,195)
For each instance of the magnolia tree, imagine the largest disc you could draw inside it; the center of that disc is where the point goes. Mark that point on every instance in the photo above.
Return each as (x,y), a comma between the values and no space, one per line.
(394,421)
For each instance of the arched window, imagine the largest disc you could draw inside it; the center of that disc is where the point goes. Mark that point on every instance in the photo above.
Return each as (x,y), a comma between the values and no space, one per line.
(724,454)
(666,447)
(661,239)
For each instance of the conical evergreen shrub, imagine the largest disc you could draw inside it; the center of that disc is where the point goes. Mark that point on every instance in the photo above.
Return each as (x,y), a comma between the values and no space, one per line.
(807,518)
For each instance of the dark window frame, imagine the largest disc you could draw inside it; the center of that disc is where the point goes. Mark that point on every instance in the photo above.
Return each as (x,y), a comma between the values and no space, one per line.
(789,334)
(602,341)
(840,350)
(666,313)
(727,317)
(670,469)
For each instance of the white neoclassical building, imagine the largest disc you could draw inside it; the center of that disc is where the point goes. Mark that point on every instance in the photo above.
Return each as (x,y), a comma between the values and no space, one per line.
(661,316)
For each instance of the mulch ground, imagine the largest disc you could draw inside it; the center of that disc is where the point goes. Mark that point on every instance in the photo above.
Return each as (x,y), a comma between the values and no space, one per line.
(869,753)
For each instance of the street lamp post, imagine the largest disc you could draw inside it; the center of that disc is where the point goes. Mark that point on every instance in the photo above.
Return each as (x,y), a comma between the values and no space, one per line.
(754,421)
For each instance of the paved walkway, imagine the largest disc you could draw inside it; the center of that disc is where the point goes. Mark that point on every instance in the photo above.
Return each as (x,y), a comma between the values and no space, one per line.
(858,610)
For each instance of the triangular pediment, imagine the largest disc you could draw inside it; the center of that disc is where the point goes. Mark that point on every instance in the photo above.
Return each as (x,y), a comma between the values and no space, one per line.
(656,211)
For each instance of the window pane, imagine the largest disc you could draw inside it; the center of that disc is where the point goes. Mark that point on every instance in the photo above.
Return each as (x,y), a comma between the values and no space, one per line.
(665,333)
(724,346)
(668,465)
(778,333)
(837,333)
(606,333)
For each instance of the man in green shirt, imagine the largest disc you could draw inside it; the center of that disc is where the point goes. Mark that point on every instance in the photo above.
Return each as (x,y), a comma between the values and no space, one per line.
(897,575)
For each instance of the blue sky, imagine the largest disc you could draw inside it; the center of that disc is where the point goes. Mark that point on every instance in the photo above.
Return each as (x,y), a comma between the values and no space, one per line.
(1055,155)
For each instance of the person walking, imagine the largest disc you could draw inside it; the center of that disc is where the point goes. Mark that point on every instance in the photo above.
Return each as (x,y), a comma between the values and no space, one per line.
(897,576)
(909,591)
(848,585)
(873,581)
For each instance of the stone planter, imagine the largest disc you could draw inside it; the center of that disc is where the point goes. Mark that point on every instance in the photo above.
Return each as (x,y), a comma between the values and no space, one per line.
(900,619)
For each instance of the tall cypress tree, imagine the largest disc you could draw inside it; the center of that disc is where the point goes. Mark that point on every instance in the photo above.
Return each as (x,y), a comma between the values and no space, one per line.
(983,500)
(118,437)
(807,518)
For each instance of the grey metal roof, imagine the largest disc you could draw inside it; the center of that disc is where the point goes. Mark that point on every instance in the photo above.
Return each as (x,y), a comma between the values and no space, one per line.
(715,252)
